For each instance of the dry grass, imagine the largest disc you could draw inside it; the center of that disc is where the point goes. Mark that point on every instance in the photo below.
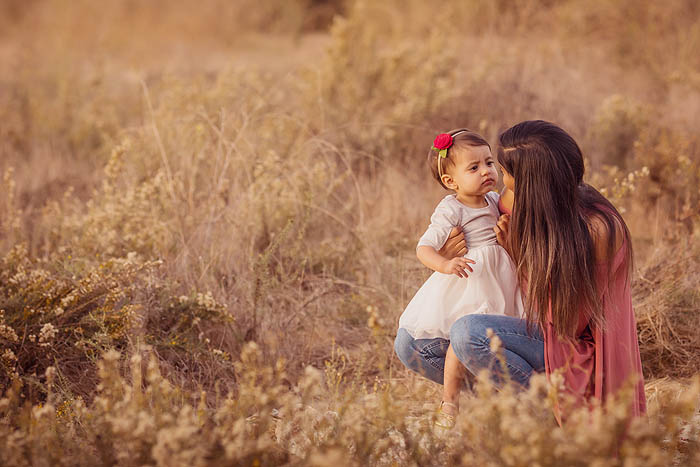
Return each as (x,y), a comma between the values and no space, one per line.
(180,182)
(667,311)
(325,418)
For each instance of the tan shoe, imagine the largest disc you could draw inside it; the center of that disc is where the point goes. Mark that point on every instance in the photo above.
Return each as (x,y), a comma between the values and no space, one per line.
(446,420)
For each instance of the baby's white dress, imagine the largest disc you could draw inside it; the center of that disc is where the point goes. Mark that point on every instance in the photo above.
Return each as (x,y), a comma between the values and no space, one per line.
(491,288)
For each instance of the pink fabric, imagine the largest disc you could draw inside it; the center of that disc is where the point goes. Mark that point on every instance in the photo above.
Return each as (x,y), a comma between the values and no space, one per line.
(597,363)
(502,208)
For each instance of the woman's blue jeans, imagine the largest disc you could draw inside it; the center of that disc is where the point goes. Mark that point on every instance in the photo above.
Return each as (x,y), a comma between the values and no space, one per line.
(424,356)
(523,350)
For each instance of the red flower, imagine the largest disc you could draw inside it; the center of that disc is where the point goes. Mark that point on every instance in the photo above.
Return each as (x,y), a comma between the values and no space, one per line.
(442,141)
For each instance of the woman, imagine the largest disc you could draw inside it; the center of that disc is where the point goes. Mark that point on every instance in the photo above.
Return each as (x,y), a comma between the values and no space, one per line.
(573,256)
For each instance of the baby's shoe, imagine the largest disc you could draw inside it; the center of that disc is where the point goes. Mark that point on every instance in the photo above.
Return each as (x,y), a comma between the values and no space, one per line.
(445,418)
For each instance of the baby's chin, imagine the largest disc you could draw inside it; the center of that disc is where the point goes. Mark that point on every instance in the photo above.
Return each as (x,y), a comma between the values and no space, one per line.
(485,188)
(482,191)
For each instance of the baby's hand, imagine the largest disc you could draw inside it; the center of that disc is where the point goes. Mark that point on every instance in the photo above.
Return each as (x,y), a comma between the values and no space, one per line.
(457,266)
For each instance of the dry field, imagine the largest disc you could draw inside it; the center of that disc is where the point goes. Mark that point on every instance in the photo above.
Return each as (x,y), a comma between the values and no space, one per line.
(209,209)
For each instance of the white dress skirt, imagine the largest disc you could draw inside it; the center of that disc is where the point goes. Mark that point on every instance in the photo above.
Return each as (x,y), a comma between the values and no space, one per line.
(492,287)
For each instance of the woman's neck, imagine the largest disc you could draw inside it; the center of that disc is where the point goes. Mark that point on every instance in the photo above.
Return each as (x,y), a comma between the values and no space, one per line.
(472,201)
(507,199)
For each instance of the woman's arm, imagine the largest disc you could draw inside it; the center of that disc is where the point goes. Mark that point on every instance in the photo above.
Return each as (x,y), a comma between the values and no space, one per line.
(456,244)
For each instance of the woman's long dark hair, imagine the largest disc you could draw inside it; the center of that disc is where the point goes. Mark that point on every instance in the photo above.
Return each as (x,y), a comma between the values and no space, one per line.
(550,237)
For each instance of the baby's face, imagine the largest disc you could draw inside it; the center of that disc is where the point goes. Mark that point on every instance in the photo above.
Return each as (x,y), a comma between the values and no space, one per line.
(474,171)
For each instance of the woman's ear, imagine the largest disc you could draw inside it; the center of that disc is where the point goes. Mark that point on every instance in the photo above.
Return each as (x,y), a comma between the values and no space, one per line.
(448,181)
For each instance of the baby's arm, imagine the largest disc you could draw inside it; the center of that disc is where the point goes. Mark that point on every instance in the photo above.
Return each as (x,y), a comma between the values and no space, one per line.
(445,217)
(435,261)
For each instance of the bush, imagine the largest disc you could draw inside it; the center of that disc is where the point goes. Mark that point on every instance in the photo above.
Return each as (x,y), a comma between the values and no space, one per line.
(146,420)
(251,205)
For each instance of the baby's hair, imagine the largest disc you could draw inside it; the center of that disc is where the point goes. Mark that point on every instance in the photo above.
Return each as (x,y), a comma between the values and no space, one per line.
(462,138)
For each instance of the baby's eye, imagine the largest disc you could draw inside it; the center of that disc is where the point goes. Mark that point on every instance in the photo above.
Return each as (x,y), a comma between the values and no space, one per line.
(490,163)
(474,167)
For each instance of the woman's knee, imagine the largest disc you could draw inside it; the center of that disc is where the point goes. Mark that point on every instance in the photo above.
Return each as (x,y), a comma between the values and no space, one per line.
(466,334)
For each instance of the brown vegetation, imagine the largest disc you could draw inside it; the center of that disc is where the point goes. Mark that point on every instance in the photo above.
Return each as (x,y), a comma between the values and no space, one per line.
(215,188)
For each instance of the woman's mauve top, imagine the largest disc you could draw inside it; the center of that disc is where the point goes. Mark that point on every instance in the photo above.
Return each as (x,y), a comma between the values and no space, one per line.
(502,208)
(598,362)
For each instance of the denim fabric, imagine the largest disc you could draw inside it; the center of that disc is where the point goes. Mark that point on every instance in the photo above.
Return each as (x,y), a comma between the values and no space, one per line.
(424,356)
(523,350)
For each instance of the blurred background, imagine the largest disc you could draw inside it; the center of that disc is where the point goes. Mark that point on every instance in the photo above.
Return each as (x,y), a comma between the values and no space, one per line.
(197,175)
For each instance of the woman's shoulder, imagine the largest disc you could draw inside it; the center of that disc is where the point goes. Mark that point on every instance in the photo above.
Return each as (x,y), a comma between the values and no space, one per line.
(601,233)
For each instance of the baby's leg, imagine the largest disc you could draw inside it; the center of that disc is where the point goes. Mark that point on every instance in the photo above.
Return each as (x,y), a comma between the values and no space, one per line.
(455,374)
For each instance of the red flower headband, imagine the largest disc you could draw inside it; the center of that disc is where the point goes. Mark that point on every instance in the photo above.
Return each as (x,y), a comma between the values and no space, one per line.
(441,144)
